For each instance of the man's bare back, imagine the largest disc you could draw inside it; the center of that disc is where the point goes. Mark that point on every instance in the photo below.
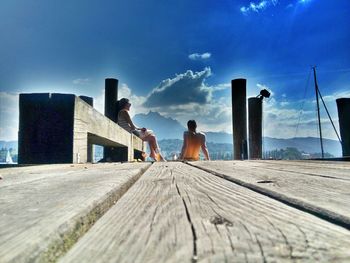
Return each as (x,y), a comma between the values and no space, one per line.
(193,143)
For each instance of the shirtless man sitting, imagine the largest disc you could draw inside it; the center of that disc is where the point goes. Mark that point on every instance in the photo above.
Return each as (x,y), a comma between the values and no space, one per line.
(193,142)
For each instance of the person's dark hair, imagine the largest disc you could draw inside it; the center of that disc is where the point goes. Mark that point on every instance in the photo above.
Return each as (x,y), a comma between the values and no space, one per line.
(122,103)
(192,125)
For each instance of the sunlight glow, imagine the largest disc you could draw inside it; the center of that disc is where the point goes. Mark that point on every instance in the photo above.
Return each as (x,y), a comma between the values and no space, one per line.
(304,1)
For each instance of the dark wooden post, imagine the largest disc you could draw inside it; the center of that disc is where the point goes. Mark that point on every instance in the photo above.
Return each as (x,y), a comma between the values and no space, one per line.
(111,98)
(239,118)
(90,147)
(45,128)
(112,154)
(255,127)
(343,105)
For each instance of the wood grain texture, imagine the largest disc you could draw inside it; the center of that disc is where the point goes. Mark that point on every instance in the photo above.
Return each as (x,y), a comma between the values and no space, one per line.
(328,197)
(44,212)
(336,170)
(149,224)
(178,213)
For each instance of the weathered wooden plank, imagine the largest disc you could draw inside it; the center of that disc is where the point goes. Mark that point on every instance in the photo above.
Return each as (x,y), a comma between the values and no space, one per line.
(337,166)
(178,213)
(43,214)
(148,224)
(325,197)
(316,163)
(336,170)
(23,175)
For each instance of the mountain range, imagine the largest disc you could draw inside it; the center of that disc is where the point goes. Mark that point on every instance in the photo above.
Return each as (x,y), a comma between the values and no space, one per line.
(9,145)
(164,128)
(170,129)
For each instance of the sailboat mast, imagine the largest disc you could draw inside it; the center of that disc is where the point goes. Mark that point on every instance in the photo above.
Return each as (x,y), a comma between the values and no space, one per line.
(318,111)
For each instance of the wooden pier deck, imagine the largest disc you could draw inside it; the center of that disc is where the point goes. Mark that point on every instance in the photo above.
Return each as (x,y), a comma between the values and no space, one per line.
(217,211)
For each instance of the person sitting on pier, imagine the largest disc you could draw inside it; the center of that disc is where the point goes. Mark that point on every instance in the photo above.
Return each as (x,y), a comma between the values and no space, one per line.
(126,123)
(193,142)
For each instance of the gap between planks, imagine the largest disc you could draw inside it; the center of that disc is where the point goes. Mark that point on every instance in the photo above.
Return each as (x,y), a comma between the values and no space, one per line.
(177,213)
(82,226)
(321,213)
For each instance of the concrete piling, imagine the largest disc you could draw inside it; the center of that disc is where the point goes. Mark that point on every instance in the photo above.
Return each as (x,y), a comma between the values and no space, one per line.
(90,148)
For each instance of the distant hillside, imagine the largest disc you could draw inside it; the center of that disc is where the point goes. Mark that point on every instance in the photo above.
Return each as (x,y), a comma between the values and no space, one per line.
(217,151)
(306,144)
(170,129)
(219,137)
(164,128)
(9,144)
(282,148)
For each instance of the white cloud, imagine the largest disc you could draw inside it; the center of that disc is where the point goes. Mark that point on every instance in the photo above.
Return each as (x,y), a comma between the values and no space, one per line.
(304,1)
(336,95)
(184,88)
(258,6)
(197,56)
(210,114)
(288,119)
(80,81)
(214,115)
(186,96)
(222,86)
(284,103)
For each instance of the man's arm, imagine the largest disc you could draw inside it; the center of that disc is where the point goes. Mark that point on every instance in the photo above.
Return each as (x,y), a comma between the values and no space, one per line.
(204,148)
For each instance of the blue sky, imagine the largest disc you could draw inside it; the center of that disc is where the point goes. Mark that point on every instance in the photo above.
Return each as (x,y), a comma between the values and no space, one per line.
(178,57)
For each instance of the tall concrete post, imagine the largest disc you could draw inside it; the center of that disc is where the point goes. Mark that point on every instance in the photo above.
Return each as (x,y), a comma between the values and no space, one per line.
(90,147)
(239,118)
(343,105)
(255,127)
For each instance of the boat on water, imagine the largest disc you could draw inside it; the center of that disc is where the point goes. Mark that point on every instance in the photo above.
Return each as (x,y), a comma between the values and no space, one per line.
(8,158)
(5,160)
